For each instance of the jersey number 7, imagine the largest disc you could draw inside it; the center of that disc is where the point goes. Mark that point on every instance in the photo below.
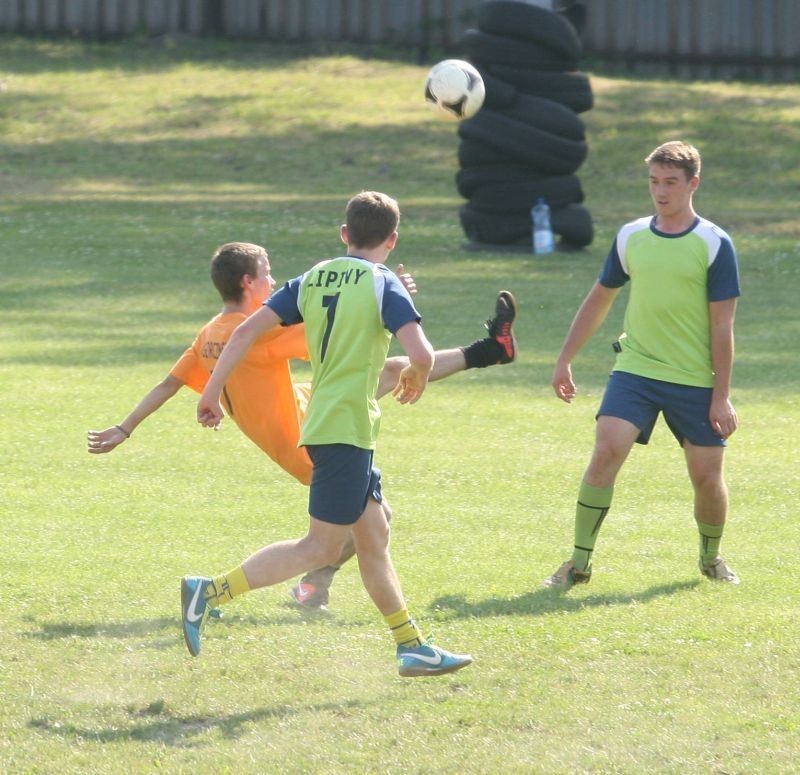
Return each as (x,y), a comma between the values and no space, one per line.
(330,303)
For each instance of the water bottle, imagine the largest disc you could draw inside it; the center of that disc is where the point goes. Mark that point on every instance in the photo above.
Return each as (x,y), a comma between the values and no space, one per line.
(542,230)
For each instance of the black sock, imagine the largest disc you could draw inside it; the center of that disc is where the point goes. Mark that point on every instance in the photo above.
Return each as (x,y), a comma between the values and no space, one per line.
(482,353)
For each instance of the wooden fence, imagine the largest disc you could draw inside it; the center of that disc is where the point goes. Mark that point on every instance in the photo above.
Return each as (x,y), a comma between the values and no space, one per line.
(373,21)
(694,38)
(699,38)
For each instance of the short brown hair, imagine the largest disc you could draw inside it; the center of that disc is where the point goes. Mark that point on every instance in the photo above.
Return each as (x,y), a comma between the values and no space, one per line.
(230,263)
(371,218)
(676,153)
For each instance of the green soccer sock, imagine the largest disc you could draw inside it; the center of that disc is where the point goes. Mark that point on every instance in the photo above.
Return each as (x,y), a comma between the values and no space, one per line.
(590,511)
(710,538)
(226,587)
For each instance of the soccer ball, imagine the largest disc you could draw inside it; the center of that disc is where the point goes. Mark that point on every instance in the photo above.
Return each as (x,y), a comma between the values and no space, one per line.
(454,89)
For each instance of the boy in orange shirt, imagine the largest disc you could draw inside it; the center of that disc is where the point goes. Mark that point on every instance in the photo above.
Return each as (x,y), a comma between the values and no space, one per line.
(260,396)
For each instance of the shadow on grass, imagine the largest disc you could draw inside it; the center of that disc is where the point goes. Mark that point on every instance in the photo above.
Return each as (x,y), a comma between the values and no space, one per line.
(289,614)
(135,629)
(545,601)
(285,614)
(175,730)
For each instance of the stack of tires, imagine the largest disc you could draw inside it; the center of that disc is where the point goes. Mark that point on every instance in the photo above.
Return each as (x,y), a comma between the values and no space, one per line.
(528,140)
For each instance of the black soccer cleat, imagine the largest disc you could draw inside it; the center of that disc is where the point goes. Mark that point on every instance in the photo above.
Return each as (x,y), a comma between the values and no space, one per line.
(501,326)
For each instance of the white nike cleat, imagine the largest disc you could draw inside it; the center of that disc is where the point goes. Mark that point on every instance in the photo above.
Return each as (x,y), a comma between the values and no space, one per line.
(719,570)
(427,659)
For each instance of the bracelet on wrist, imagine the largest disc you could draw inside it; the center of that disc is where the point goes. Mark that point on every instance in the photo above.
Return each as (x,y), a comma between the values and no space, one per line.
(123,431)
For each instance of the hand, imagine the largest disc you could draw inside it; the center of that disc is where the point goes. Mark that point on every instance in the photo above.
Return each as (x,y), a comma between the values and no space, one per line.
(722,417)
(410,386)
(406,279)
(104,441)
(562,382)
(209,412)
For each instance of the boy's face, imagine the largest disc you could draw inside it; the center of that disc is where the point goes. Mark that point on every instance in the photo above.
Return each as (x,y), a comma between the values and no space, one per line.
(670,190)
(264,283)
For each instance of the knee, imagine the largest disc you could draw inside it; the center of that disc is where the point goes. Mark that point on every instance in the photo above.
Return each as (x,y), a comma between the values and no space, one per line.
(710,485)
(376,539)
(390,375)
(607,458)
(382,532)
(393,366)
(318,554)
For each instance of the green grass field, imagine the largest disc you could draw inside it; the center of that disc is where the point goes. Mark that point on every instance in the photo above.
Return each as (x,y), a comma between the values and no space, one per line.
(122,168)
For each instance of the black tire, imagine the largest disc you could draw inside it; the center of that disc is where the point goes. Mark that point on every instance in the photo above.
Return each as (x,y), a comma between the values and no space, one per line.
(495,49)
(531,23)
(474,153)
(519,196)
(572,89)
(546,114)
(494,228)
(575,14)
(572,223)
(499,93)
(538,148)
(468,179)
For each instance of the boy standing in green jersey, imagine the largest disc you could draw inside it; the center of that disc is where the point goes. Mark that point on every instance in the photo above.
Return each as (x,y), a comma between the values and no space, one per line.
(351,306)
(675,357)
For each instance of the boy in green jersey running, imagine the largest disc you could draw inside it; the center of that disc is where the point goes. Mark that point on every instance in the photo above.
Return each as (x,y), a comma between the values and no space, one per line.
(351,306)
(675,357)
(260,395)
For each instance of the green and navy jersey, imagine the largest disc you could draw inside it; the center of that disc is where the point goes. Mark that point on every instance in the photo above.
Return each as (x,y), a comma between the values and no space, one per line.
(351,308)
(673,278)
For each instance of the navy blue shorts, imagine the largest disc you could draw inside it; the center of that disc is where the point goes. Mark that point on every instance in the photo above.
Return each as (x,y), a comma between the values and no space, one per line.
(639,400)
(342,482)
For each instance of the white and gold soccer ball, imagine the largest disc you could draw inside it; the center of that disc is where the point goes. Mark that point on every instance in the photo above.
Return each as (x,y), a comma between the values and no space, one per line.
(454,89)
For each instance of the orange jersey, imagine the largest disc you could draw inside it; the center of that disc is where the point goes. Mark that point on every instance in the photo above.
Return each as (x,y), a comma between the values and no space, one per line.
(259,395)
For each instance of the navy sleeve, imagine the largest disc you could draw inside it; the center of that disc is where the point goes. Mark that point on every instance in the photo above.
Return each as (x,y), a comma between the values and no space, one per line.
(723,274)
(397,309)
(284,302)
(612,275)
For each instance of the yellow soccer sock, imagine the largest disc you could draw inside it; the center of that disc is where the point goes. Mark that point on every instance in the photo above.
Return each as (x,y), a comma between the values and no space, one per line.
(226,587)
(404,629)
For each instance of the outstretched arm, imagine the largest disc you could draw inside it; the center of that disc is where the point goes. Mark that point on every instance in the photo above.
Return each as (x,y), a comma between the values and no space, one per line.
(414,377)
(104,441)
(209,411)
(588,319)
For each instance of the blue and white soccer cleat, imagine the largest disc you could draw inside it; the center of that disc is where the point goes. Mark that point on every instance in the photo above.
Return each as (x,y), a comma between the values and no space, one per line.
(194,610)
(427,659)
